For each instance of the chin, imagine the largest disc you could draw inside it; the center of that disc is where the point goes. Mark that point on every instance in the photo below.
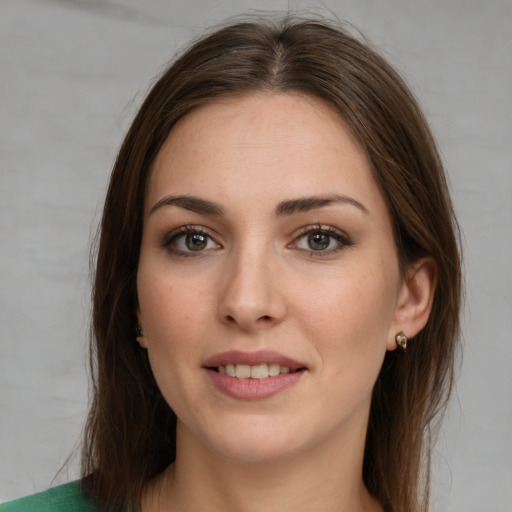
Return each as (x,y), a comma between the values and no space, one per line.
(254,452)
(253,441)
(256,435)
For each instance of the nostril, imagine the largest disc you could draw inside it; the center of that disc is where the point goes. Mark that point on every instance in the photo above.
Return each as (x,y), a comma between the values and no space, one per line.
(246,320)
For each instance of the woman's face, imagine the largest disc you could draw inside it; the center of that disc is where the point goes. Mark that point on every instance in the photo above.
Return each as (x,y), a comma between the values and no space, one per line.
(268,280)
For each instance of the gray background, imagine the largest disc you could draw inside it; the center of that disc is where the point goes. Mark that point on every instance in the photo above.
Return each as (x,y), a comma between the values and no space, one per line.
(72,74)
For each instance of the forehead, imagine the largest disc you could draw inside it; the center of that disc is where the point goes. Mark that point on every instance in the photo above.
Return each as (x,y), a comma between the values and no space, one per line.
(265,144)
(265,119)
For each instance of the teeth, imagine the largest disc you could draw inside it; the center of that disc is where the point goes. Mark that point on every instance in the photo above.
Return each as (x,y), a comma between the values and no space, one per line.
(274,369)
(242,371)
(259,371)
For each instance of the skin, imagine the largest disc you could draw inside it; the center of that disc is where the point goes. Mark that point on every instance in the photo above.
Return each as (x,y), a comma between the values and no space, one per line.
(259,284)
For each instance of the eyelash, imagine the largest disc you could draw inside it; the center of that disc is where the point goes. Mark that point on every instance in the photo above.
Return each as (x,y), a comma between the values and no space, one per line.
(342,240)
(172,238)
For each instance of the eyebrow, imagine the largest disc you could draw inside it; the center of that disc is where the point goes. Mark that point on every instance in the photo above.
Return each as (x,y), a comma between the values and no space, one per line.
(193,203)
(289,207)
(305,204)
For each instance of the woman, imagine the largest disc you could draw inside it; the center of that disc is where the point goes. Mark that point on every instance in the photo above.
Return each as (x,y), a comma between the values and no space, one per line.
(277,227)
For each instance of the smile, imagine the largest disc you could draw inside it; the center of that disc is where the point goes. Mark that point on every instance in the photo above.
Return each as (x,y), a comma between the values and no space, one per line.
(253,375)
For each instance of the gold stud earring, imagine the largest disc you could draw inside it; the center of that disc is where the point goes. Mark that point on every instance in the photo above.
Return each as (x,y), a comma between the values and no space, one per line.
(401,340)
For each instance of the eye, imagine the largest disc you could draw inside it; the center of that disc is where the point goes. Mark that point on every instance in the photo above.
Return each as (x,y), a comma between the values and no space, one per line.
(189,239)
(318,241)
(321,240)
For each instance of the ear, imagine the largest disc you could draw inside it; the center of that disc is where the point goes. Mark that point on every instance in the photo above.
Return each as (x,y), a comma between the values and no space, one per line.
(415,298)
(141,339)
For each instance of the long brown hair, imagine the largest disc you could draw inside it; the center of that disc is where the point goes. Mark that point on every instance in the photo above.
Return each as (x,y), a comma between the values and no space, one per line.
(130,432)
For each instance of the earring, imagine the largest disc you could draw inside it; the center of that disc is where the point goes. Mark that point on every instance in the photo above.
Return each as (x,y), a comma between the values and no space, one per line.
(139,336)
(401,340)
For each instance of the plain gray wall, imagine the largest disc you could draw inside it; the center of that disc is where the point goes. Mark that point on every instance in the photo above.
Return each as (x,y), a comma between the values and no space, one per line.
(71,76)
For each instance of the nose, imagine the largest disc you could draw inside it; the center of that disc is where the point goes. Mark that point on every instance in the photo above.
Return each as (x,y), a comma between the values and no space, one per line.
(251,297)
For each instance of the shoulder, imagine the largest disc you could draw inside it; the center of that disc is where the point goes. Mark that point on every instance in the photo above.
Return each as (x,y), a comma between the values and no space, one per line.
(64,498)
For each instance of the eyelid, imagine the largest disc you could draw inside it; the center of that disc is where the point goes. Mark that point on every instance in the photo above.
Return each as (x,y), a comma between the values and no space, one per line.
(187,229)
(340,236)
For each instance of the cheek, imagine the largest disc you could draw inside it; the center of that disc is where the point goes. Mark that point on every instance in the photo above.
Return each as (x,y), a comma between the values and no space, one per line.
(348,318)
(174,315)
(168,303)
(349,300)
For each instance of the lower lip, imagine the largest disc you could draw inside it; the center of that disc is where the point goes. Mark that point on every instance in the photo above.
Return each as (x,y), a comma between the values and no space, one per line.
(253,389)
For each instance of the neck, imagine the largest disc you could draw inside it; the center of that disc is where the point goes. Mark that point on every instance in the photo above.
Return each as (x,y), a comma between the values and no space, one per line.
(318,479)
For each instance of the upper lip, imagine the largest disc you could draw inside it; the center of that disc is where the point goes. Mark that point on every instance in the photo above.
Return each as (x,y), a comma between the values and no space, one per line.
(252,359)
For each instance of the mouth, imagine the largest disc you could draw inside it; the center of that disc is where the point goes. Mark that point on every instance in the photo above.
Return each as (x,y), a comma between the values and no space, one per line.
(253,375)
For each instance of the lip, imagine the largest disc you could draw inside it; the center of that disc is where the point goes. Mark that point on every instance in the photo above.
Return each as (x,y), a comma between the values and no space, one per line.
(253,389)
(252,358)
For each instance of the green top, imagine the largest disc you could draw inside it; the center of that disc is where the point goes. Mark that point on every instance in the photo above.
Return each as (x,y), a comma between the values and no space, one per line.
(64,498)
